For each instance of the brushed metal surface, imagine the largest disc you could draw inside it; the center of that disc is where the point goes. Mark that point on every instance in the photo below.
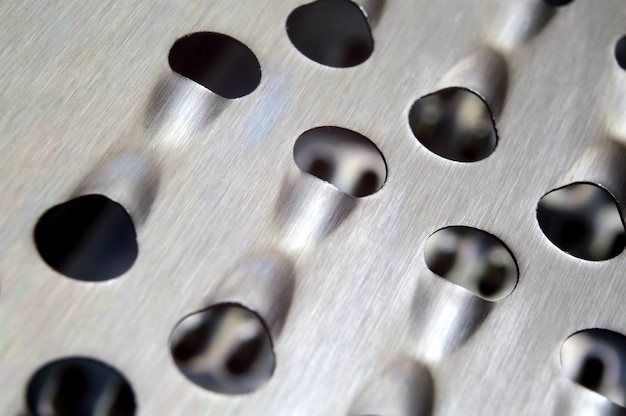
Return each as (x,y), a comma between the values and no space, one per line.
(88,102)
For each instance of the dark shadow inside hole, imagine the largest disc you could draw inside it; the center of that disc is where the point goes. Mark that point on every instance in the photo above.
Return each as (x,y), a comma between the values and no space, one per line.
(619,242)
(124,400)
(620,52)
(72,391)
(334,33)
(218,62)
(454,123)
(89,238)
(78,387)
(557,3)
(322,169)
(575,231)
(591,373)
(245,356)
(492,281)
(192,343)
(441,262)
(367,184)
(196,337)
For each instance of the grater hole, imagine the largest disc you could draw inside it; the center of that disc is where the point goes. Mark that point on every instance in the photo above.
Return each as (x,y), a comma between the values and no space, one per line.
(620,52)
(454,123)
(472,259)
(583,220)
(595,358)
(558,3)
(226,349)
(218,62)
(79,386)
(342,157)
(89,238)
(334,33)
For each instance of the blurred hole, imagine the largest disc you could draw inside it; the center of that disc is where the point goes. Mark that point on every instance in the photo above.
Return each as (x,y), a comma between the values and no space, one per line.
(77,387)
(454,123)
(596,359)
(620,52)
(218,62)
(89,238)
(472,259)
(331,32)
(583,220)
(225,349)
(344,158)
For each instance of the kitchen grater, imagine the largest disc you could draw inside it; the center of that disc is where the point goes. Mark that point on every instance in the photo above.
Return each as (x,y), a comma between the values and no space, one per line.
(313,208)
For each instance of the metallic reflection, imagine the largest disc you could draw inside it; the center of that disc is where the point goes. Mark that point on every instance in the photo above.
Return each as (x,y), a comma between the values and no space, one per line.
(404,389)
(517,21)
(308,210)
(443,318)
(272,275)
(180,109)
(372,9)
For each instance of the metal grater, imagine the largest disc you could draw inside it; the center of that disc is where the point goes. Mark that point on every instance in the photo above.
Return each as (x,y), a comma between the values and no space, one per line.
(330,267)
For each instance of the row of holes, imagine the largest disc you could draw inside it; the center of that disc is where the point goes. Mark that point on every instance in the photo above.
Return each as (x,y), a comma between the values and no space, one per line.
(227,348)
(334,33)
(243,361)
(495,279)
(331,32)
(92,238)
(454,123)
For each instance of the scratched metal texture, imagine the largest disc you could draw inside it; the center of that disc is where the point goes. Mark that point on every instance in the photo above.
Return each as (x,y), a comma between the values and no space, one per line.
(85,83)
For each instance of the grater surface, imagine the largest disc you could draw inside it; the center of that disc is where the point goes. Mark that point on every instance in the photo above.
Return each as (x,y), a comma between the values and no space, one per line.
(90,105)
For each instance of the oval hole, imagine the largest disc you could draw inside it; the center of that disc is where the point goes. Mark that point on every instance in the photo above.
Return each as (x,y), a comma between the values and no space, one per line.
(454,123)
(342,157)
(89,238)
(583,220)
(218,62)
(334,33)
(79,386)
(226,349)
(472,259)
(596,359)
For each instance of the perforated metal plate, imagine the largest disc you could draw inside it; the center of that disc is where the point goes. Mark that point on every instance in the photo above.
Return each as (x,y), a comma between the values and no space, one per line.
(89,104)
